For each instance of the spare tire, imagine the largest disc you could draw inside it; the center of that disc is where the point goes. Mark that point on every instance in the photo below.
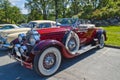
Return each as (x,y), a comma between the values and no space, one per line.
(72,42)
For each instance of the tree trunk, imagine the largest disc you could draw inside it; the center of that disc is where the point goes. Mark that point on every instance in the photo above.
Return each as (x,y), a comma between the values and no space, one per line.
(56,9)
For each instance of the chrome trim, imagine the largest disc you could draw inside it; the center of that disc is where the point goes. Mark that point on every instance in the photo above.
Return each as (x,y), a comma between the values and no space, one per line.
(37,37)
(34,37)
(17,46)
(23,49)
(29,65)
(8,46)
(34,32)
(21,37)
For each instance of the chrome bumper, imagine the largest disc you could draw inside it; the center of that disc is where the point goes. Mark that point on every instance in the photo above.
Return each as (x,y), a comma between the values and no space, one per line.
(9,46)
(23,63)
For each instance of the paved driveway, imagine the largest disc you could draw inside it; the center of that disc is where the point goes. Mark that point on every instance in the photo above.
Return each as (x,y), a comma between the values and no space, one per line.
(96,64)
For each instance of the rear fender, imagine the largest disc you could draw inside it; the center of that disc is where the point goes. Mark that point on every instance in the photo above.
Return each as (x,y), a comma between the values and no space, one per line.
(100,32)
(42,45)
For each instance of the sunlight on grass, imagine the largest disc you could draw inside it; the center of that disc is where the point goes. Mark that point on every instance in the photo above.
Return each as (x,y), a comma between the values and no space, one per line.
(113,34)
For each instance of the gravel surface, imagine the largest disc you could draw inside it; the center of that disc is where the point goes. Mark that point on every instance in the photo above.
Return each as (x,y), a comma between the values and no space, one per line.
(103,64)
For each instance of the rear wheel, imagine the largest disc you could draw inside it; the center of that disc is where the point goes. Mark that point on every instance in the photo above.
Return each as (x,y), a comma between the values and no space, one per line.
(101,41)
(48,62)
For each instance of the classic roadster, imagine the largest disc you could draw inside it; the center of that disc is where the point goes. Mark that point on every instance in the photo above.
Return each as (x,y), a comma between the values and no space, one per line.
(10,32)
(43,49)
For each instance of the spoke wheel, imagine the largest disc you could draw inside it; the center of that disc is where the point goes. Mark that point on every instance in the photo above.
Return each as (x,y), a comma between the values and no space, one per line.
(48,62)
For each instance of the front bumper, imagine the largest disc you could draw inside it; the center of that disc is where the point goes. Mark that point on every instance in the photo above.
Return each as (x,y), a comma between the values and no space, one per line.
(7,46)
(21,56)
(23,63)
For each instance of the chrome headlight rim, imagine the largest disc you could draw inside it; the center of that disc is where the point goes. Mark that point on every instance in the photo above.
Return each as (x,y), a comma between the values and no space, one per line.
(34,38)
(21,37)
(23,49)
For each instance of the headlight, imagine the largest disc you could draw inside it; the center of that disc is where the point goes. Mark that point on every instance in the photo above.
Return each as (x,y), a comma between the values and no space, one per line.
(23,49)
(34,38)
(21,37)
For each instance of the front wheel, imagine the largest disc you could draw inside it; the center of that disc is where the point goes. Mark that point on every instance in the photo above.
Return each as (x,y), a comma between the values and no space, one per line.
(48,62)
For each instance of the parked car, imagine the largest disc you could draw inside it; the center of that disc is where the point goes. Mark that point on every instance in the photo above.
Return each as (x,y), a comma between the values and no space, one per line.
(8,26)
(42,24)
(8,33)
(43,49)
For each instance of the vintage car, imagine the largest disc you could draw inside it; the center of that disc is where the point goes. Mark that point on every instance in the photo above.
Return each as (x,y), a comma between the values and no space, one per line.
(10,32)
(8,26)
(43,49)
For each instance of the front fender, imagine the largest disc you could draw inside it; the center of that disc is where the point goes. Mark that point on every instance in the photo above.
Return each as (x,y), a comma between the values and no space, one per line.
(42,45)
(15,41)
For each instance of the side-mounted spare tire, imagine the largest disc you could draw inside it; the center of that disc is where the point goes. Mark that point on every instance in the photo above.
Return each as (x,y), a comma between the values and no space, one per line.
(71,42)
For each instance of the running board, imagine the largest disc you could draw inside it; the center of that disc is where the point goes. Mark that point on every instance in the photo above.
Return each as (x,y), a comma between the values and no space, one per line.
(86,48)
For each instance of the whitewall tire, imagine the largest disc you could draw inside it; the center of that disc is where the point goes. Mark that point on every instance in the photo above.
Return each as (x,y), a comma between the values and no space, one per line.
(72,43)
(48,62)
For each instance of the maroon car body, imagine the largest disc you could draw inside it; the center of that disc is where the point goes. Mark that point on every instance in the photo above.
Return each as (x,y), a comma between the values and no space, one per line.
(43,49)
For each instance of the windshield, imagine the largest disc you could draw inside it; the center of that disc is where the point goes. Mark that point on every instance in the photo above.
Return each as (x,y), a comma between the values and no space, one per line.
(67,21)
(72,21)
(32,24)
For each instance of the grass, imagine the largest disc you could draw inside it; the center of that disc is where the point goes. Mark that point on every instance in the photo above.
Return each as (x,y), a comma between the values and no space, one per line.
(113,34)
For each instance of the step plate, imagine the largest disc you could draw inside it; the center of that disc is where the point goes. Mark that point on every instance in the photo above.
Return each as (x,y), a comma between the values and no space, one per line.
(86,48)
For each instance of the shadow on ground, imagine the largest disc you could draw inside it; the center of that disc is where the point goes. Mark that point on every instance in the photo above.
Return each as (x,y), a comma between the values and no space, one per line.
(3,53)
(14,71)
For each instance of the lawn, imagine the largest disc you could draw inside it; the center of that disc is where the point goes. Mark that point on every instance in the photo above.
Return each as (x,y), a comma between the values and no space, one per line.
(113,34)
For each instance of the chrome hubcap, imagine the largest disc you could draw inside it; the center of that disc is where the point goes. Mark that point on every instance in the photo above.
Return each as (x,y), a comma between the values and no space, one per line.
(72,44)
(49,60)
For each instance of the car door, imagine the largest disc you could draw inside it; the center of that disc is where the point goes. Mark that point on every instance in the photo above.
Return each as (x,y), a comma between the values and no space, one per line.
(85,34)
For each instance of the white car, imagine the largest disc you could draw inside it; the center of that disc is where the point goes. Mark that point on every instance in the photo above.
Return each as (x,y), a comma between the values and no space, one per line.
(7,35)
(8,26)
(42,24)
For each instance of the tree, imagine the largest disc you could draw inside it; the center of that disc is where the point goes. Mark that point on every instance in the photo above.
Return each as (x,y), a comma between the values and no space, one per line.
(41,7)
(9,14)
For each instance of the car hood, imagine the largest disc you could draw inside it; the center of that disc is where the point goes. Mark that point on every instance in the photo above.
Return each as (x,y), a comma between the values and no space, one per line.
(10,31)
(52,30)
(12,34)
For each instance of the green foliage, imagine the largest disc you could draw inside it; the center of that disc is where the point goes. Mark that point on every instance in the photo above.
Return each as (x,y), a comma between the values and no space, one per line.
(113,34)
(105,9)
(52,9)
(8,13)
